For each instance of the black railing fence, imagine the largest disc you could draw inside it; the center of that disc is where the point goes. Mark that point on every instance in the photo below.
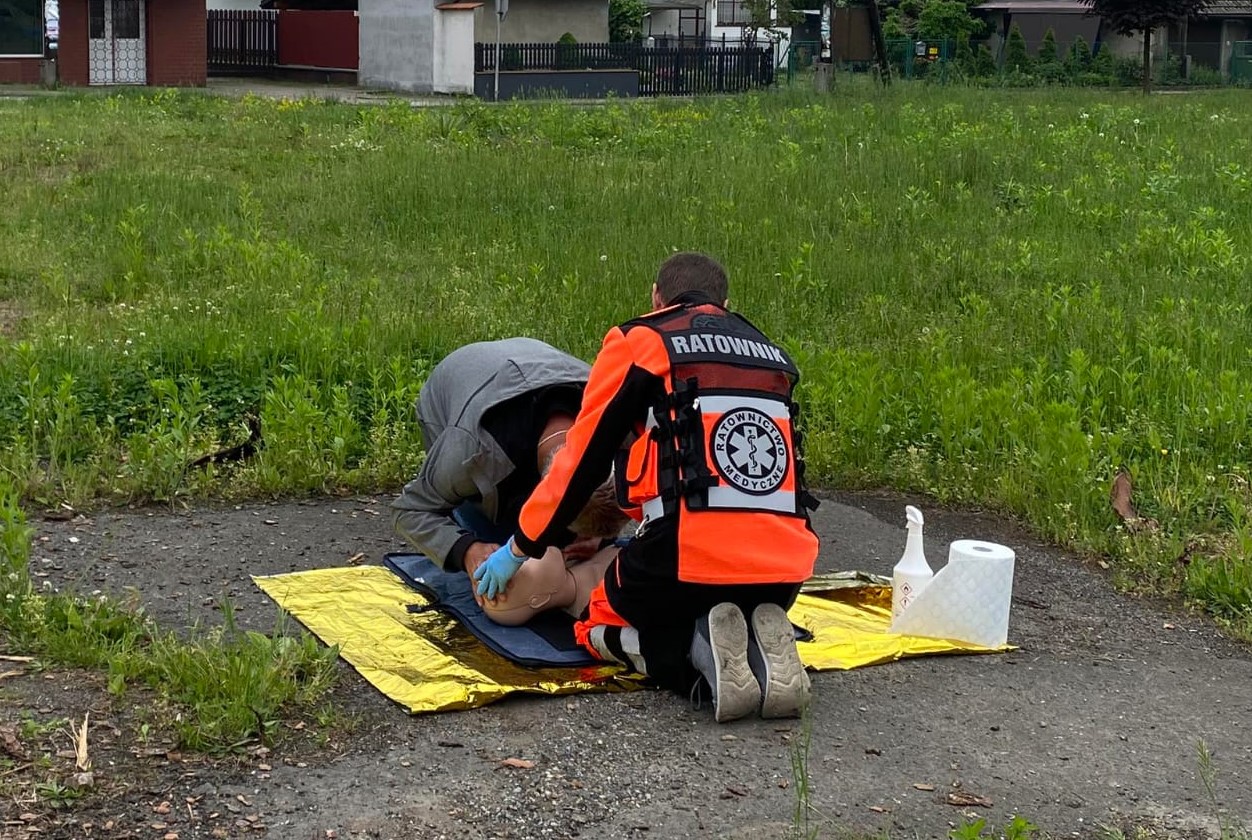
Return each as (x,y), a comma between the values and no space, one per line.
(691,68)
(242,41)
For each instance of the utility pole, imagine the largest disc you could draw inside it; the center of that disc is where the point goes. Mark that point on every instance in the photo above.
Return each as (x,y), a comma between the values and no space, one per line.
(502,9)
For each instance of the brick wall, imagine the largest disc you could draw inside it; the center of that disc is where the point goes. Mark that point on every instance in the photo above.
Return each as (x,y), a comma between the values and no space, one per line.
(72,43)
(19,71)
(177,42)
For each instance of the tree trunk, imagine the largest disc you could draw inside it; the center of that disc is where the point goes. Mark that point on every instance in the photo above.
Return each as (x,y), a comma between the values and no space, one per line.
(1147,60)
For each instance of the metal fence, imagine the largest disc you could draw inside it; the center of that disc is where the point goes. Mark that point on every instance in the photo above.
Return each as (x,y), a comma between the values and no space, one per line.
(692,68)
(242,41)
(1241,63)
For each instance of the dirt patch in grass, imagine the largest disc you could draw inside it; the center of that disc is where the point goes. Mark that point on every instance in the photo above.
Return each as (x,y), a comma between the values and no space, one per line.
(11,316)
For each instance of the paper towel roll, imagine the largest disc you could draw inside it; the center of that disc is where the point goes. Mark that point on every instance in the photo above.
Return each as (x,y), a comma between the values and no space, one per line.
(968,600)
(964,551)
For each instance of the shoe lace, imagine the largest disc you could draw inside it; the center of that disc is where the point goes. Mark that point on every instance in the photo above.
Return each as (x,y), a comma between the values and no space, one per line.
(697,693)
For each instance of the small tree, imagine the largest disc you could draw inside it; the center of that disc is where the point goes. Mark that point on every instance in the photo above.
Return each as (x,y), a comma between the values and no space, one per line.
(1047,50)
(947,19)
(895,26)
(1127,17)
(1050,67)
(984,62)
(566,52)
(767,15)
(1016,58)
(1102,62)
(1079,58)
(626,20)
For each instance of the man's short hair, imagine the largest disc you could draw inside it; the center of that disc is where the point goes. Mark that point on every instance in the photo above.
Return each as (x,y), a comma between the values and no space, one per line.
(689,271)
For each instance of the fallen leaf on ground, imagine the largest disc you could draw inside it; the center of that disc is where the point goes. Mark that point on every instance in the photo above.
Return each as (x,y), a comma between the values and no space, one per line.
(519,763)
(243,799)
(82,761)
(963,800)
(921,786)
(163,808)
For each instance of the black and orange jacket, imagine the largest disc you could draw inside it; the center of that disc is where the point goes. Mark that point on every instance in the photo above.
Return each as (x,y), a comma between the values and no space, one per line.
(691,406)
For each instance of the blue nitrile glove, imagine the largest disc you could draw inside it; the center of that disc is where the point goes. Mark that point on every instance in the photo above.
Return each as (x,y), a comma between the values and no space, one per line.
(497,570)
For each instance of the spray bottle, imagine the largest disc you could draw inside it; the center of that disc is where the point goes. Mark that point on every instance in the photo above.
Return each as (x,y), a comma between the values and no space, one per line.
(912,573)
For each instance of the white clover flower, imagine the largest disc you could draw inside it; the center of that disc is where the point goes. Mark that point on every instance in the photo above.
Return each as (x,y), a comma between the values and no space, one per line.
(604,258)
(1136,120)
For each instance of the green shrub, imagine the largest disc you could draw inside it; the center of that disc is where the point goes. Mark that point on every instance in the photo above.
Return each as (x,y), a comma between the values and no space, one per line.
(1078,60)
(1016,56)
(1047,50)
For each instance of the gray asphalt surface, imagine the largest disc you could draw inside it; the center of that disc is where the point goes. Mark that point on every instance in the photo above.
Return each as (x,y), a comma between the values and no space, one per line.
(1093,722)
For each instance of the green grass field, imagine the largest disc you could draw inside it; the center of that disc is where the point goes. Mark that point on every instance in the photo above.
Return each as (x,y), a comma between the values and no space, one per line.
(999,298)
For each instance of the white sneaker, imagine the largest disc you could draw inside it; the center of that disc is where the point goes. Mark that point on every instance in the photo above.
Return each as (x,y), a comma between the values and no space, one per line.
(719,651)
(776,665)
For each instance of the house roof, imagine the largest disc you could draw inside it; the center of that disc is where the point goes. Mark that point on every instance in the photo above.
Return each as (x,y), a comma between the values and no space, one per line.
(1058,6)
(1228,8)
(658,5)
(1215,8)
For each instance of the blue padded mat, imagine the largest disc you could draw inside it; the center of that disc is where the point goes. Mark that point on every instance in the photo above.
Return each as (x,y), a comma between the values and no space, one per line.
(546,641)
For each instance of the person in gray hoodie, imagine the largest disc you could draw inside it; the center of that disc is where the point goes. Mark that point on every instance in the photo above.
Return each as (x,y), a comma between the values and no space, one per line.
(493,414)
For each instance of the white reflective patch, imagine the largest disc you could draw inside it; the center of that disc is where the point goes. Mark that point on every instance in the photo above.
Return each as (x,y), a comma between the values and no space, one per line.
(720,404)
(729,497)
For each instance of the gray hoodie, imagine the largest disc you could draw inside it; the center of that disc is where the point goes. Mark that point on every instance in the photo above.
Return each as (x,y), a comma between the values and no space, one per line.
(463,461)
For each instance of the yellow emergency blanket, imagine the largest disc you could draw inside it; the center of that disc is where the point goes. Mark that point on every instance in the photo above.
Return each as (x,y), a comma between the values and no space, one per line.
(428,662)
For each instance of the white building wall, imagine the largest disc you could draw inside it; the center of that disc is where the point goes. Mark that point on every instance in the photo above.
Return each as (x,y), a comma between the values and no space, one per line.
(397,45)
(454,51)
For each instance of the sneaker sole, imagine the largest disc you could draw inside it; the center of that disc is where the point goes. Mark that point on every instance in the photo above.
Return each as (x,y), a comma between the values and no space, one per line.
(785,692)
(738,694)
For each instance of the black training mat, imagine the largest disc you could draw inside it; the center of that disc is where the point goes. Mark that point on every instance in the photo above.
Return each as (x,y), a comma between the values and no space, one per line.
(546,641)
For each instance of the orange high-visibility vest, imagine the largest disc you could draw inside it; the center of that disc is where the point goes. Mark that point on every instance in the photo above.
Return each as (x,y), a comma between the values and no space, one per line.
(705,402)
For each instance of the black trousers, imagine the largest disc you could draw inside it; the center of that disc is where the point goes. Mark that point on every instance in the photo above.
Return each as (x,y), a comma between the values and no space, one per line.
(642,586)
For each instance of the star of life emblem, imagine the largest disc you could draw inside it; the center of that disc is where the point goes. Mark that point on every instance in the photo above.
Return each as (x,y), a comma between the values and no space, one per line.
(749,451)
